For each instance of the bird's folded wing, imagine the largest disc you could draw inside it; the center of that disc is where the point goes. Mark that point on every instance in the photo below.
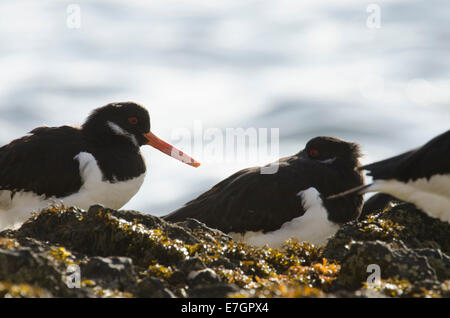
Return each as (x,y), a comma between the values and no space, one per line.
(247,201)
(423,162)
(387,168)
(42,162)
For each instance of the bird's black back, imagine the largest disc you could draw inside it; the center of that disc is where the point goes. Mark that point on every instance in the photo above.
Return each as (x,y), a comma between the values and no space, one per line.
(42,162)
(431,159)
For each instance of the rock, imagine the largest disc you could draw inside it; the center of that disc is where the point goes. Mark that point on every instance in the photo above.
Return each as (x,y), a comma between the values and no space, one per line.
(203,277)
(112,272)
(418,230)
(402,223)
(361,293)
(152,287)
(191,264)
(24,266)
(393,262)
(224,262)
(219,290)
(9,290)
(150,221)
(438,261)
(98,232)
(178,278)
(377,203)
(27,266)
(130,254)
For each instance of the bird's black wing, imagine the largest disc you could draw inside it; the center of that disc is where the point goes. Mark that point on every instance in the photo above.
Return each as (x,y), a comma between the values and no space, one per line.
(424,162)
(387,168)
(42,162)
(249,200)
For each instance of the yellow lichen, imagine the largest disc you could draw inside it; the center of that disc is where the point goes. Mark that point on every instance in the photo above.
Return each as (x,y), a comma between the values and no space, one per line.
(395,287)
(62,255)
(8,243)
(87,283)
(158,270)
(9,290)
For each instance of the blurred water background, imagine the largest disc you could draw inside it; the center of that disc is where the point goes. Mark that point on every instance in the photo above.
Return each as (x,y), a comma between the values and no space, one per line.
(306,67)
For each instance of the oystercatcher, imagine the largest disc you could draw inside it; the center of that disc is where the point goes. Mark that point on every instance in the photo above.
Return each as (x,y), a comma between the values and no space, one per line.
(99,162)
(420,176)
(271,208)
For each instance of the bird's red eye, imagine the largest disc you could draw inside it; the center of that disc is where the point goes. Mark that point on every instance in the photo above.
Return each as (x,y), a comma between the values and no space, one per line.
(313,153)
(133,120)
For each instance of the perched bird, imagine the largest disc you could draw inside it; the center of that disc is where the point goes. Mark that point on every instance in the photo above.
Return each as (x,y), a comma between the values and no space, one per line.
(420,176)
(262,208)
(99,162)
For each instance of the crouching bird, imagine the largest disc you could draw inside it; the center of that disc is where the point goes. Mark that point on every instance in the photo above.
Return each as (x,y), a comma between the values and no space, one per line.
(420,176)
(99,162)
(269,208)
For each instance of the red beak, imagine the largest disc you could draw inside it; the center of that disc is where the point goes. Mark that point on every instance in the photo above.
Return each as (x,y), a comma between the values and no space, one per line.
(170,150)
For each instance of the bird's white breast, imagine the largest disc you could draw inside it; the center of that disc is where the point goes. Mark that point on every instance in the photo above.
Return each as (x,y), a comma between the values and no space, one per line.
(430,195)
(313,226)
(96,190)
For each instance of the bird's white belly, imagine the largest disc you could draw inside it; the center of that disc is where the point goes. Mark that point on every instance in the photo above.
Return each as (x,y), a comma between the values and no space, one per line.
(111,195)
(313,226)
(94,190)
(430,195)
(13,212)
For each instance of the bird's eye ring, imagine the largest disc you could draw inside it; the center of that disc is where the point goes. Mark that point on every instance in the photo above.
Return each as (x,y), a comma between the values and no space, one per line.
(133,120)
(313,153)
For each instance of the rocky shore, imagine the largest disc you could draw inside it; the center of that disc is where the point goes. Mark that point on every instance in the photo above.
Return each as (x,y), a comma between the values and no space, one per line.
(67,252)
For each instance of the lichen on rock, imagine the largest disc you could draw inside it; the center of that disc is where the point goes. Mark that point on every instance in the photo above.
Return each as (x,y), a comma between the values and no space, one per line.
(130,254)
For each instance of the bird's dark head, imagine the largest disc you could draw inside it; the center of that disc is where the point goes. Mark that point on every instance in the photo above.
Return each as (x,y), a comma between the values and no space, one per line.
(336,161)
(128,123)
(127,120)
(332,151)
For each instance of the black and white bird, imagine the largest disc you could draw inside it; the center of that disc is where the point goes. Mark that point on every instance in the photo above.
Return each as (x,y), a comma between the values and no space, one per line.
(420,176)
(99,162)
(269,208)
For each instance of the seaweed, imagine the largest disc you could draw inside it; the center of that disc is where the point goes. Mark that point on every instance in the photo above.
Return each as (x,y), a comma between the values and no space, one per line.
(131,254)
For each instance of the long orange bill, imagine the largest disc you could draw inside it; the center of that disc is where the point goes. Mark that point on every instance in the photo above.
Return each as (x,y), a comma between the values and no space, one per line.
(170,150)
